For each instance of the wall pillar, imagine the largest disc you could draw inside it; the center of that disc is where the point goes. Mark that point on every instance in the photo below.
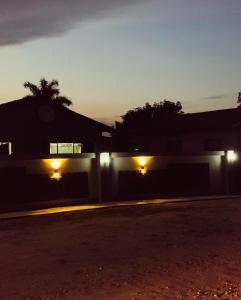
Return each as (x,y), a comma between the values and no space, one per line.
(105,178)
(226,175)
(93,180)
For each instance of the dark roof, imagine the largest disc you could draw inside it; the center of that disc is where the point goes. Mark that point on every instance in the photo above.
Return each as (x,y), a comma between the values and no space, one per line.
(28,118)
(202,121)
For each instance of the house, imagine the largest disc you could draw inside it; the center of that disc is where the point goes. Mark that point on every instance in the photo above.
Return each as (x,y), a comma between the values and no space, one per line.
(32,127)
(218,130)
(180,155)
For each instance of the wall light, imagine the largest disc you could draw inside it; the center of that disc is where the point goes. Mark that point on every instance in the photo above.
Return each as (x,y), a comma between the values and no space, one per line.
(56,175)
(104,159)
(142,170)
(55,167)
(55,163)
(232,156)
(142,163)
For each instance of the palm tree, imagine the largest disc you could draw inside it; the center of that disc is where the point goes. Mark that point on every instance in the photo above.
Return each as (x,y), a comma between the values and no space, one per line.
(239,98)
(47,91)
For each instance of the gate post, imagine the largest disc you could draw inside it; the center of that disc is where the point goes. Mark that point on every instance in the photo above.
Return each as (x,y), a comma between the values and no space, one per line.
(226,174)
(104,176)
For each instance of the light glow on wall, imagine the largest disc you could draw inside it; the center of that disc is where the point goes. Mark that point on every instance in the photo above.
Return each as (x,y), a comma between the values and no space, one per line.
(56,164)
(104,159)
(232,156)
(143,163)
(55,167)
(143,160)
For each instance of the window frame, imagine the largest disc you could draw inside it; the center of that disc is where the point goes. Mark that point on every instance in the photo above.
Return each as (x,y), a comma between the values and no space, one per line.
(57,145)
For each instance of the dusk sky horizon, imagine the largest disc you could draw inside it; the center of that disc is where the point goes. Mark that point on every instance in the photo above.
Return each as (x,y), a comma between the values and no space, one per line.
(111,56)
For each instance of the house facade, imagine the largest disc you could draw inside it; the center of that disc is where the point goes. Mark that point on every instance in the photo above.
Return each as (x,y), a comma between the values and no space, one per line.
(191,133)
(191,154)
(31,127)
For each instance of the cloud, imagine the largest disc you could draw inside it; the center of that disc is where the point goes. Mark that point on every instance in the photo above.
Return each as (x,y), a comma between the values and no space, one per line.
(25,20)
(215,97)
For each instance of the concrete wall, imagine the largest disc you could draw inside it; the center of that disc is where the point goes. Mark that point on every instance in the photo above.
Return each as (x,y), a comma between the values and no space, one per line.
(44,165)
(103,180)
(126,162)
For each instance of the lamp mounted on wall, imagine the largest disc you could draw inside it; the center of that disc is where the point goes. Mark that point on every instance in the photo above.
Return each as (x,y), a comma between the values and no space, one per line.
(142,170)
(55,167)
(56,174)
(232,156)
(105,159)
(142,166)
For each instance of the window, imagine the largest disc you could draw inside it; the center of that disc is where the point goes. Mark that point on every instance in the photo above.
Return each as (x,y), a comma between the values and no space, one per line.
(77,148)
(5,148)
(65,148)
(53,148)
(174,146)
(213,145)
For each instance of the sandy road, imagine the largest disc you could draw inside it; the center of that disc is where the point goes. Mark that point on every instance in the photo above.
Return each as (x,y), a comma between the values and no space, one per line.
(170,251)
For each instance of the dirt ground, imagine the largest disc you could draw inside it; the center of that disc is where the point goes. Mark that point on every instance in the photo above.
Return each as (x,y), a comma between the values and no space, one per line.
(171,251)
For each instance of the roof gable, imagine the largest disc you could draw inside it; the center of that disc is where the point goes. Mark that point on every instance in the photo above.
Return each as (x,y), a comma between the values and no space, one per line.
(30,117)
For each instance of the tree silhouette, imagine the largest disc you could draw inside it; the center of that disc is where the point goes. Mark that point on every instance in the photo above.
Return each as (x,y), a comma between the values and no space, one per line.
(140,117)
(239,99)
(46,92)
(143,115)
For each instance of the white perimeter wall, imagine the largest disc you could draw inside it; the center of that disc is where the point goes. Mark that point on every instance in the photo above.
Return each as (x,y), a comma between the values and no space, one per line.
(119,162)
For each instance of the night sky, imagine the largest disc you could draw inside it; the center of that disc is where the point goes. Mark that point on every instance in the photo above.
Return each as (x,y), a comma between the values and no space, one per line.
(110,56)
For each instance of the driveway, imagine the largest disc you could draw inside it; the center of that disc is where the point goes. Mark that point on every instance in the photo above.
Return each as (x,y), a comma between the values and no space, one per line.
(161,251)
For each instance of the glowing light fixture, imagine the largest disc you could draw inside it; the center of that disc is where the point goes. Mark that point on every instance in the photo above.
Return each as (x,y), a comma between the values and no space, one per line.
(232,156)
(143,163)
(142,170)
(56,175)
(55,163)
(104,159)
(55,167)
